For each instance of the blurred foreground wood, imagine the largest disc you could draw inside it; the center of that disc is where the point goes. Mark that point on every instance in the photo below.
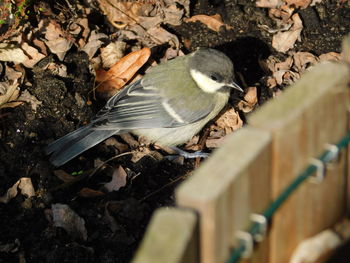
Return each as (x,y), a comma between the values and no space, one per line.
(253,167)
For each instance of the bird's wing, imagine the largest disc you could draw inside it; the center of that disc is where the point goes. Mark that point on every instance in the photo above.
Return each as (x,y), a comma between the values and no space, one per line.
(142,106)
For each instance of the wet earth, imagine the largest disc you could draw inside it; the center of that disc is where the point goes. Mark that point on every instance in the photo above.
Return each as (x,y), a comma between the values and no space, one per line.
(26,228)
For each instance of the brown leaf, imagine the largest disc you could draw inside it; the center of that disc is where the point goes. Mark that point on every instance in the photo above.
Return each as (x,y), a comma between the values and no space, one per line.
(229,121)
(11,104)
(298,3)
(119,74)
(11,92)
(118,180)
(12,53)
(94,43)
(24,185)
(88,192)
(35,55)
(269,3)
(65,177)
(330,56)
(213,22)
(250,100)
(56,41)
(283,41)
(65,217)
(112,53)
(303,60)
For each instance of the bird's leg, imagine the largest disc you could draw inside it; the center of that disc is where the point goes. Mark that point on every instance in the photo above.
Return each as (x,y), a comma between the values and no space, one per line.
(189,155)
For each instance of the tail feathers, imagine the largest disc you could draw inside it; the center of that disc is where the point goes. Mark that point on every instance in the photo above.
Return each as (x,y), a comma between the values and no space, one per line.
(76,143)
(68,139)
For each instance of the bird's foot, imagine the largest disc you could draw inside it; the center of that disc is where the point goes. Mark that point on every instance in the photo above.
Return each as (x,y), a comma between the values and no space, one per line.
(187,155)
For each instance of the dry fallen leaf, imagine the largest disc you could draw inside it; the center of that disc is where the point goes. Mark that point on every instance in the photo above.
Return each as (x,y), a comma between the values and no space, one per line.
(88,192)
(213,22)
(229,121)
(64,176)
(24,185)
(121,72)
(283,14)
(8,92)
(302,60)
(299,3)
(283,41)
(65,217)
(118,180)
(269,3)
(330,56)
(161,36)
(12,53)
(29,98)
(94,43)
(35,55)
(250,100)
(56,41)
(112,53)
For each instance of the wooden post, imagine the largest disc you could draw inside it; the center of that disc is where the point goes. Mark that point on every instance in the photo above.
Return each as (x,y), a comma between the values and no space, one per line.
(171,237)
(308,115)
(233,183)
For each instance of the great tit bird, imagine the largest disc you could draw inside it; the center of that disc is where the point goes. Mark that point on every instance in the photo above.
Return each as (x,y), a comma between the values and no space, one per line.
(169,105)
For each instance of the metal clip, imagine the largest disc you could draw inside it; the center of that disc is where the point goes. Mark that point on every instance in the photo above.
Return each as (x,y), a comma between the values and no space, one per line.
(245,239)
(261,221)
(332,156)
(320,172)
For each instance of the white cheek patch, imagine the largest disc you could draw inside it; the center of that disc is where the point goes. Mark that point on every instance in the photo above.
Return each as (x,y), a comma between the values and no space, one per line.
(204,82)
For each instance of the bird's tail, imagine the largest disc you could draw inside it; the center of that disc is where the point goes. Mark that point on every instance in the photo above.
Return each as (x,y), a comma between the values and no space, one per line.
(76,142)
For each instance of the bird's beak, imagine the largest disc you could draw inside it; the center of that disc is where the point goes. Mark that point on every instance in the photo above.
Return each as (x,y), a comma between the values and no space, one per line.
(234,86)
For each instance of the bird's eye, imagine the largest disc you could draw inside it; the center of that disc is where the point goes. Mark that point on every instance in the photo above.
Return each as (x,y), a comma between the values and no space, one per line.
(216,77)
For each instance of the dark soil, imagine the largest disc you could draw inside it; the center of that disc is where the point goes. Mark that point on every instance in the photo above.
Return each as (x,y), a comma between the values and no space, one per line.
(26,231)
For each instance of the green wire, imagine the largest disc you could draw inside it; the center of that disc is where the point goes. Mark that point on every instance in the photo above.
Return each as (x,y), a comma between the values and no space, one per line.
(273,207)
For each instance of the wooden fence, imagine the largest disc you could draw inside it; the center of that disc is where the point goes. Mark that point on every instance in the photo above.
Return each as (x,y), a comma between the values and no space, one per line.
(251,169)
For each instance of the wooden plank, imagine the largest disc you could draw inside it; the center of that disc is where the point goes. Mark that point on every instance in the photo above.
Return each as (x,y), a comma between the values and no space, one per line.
(226,189)
(172,237)
(304,118)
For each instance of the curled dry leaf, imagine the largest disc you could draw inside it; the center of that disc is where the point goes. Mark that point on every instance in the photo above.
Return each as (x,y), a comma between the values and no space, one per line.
(8,92)
(56,41)
(283,41)
(24,185)
(229,121)
(122,14)
(118,180)
(64,176)
(11,53)
(299,3)
(269,3)
(112,53)
(302,60)
(250,100)
(286,77)
(283,13)
(213,22)
(331,56)
(66,218)
(119,74)
(88,192)
(94,43)
(160,36)
(35,55)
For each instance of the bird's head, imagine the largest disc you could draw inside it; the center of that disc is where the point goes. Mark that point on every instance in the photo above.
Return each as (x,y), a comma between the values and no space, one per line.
(212,70)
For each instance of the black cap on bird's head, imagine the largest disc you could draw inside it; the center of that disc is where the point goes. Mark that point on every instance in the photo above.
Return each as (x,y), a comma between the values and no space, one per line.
(212,70)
